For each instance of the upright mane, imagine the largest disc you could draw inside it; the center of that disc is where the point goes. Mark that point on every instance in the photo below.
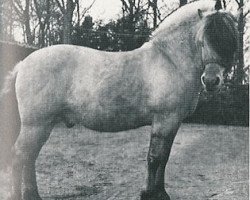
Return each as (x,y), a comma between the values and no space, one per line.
(181,15)
(217,27)
(180,26)
(221,33)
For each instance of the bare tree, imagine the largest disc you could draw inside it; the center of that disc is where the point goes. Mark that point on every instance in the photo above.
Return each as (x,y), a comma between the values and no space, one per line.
(67,9)
(241,25)
(134,11)
(156,13)
(23,13)
(42,10)
(161,10)
(81,14)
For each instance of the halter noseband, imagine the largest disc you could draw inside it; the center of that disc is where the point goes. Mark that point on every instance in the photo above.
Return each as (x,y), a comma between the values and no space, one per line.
(213,61)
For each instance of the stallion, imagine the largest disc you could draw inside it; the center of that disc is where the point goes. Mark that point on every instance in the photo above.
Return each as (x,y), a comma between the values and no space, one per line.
(157,84)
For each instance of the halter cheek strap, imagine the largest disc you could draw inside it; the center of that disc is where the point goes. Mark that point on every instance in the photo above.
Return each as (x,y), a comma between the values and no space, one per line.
(205,62)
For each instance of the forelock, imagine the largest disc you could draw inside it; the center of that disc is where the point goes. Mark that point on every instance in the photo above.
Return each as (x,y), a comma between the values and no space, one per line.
(221,32)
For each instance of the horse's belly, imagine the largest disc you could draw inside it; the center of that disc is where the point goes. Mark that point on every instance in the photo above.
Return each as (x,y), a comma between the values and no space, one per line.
(107,120)
(118,123)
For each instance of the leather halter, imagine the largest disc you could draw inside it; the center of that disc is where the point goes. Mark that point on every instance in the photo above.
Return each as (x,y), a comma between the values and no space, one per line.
(213,61)
(205,62)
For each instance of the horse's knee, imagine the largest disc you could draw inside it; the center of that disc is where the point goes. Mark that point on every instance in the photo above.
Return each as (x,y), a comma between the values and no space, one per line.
(153,161)
(156,156)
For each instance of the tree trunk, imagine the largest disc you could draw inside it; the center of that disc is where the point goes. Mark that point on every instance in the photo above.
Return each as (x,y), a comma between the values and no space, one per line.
(240,65)
(66,30)
(155,13)
(29,37)
(43,22)
(67,21)
(132,16)
(47,23)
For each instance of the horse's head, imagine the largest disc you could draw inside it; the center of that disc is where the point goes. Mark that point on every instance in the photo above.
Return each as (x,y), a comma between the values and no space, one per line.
(218,39)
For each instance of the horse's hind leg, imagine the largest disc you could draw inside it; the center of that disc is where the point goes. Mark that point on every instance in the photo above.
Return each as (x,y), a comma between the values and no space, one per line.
(26,150)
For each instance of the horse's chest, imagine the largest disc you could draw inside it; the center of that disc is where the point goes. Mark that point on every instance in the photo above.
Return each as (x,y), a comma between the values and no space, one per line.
(169,92)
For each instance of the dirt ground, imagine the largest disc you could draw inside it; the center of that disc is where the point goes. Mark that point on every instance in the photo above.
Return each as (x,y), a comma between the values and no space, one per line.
(206,163)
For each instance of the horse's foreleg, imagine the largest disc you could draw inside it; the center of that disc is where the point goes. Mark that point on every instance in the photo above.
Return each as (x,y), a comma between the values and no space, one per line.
(26,150)
(162,137)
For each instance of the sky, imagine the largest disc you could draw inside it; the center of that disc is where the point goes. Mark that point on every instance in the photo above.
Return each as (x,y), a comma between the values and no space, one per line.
(103,9)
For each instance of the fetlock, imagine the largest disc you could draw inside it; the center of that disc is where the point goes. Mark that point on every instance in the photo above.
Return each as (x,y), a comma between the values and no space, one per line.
(154,195)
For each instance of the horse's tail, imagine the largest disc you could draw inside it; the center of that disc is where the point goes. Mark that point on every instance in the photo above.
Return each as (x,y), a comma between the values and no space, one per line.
(9,118)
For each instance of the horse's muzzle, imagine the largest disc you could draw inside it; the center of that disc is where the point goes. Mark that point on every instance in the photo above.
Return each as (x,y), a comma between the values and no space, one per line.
(211,84)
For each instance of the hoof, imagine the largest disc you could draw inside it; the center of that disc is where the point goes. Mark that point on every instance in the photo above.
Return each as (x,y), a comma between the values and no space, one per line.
(154,195)
(31,195)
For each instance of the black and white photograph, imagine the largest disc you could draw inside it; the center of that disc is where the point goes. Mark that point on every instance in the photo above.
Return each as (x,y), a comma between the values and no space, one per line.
(124,99)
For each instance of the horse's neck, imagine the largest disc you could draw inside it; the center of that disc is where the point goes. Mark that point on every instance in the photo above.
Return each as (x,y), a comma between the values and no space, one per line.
(178,43)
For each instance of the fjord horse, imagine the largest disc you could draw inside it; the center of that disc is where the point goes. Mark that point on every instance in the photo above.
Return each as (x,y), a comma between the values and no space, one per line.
(157,84)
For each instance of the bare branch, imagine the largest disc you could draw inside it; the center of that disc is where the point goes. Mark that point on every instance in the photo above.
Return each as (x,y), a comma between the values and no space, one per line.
(18,4)
(47,11)
(63,4)
(17,7)
(159,14)
(124,3)
(138,3)
(87,9)
(237,1)
(17,11)
(39,14)
(167,16)
(246,13)
(62,8)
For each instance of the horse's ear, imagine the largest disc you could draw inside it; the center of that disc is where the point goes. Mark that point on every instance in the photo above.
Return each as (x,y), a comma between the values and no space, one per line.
(218,5)
(200,13)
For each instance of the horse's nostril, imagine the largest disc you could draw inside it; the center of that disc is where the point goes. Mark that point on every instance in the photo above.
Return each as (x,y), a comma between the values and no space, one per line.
(217,81)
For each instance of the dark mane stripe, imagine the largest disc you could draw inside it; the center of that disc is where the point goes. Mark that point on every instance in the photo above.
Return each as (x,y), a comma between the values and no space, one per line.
(222,34)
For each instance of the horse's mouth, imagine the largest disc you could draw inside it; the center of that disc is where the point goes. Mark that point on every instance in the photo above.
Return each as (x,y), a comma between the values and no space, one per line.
(212,90)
